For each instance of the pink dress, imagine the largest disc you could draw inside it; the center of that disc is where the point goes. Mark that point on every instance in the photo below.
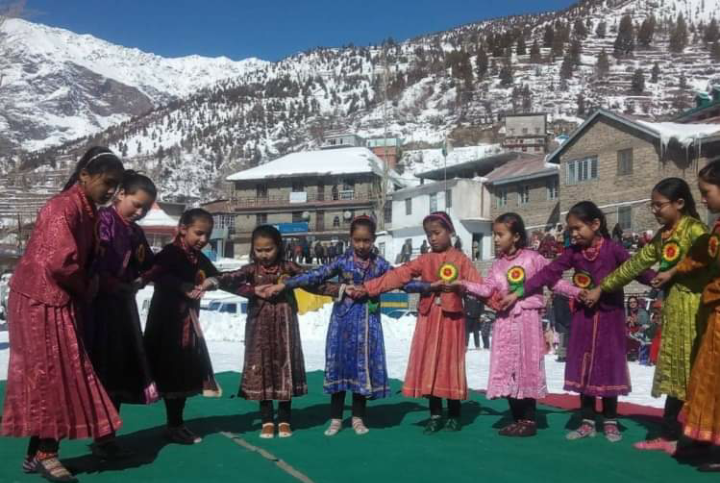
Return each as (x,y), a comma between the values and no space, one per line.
(517,357)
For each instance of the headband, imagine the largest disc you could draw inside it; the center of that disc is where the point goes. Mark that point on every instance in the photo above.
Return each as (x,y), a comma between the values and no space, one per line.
(441,217)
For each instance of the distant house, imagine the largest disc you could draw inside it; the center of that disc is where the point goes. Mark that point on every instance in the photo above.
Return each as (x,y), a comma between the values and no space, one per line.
(526,133)
(706,110)
(159,227)
(387,149)
(343,140)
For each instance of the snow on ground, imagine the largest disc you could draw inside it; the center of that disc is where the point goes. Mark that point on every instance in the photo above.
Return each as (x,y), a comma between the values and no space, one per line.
(225,333)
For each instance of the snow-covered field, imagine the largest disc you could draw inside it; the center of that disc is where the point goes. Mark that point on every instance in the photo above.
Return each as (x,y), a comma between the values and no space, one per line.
(225,332)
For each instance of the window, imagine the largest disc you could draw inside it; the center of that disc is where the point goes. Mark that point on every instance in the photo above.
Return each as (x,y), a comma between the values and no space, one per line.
(501,195)
(537,130)
(336,222)
(552,189)
(433,202)
(297,216)
(261,190)
(524,130)
(523,194)
(388,212)
(224,221)
(625,217)
(581,170)
(261,219)
(408,206)
(348,184)
(625,162)
(297,186)
(448,199)
(348,219)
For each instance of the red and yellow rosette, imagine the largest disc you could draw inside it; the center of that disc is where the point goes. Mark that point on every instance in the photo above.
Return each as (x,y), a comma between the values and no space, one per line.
(583,280)
(516,280)
(448,272)
(200,277)
(714,246)
(670,255)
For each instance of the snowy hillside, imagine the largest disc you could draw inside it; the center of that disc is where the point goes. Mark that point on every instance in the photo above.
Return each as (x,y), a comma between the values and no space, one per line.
(456,83)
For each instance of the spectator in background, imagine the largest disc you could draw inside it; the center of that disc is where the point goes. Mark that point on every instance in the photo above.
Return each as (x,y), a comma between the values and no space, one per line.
(486,321)
(330,253)
(549,247)
(306,252)
(340,248)
(424,247)
(563,315)
(473,311)
(458,244)
(637,319)
(406,251)
(319,253)
(617,233)
(567,241)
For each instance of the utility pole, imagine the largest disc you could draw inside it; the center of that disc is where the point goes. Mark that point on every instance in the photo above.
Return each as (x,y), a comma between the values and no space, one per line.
(385,183)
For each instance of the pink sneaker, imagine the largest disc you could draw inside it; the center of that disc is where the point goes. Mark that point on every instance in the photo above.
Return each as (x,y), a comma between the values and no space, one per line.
(657,444)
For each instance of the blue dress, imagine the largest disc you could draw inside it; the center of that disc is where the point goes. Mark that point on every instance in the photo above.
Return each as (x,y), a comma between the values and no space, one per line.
(355,350)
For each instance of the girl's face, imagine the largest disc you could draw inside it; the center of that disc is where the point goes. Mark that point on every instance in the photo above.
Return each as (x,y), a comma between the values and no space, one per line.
(265,251)
(633,303)
(505,240)
(666,212)
(133,207)
(710,194)
(100,188)
(581,233)
(362,241)
(438,236)
(197,234)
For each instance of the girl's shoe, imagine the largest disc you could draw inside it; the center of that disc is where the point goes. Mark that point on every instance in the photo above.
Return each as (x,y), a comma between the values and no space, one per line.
(452,424)
(29,464)
(267,431)
(110,450)
(182,435)
(509,430)
(52,469)
(284,430)
(359,426)
(334,428)
(612,432)
(433,425)
(526,429)
(657,444)
(586,430)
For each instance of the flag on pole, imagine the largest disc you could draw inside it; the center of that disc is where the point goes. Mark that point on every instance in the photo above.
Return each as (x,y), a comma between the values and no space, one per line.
(446,147)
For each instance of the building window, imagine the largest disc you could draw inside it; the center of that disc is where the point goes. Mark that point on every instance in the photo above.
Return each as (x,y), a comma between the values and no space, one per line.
(625,217)
(552,189)
(261,219)
(261,190)
(524,131)
(501,195)
(625,162)
(298,186)
(523,194)
(297,216)
(448,199)
(336,222)
(408,206)
(433,202)
(348,184)
(388,212)
(537,130)
(581,170)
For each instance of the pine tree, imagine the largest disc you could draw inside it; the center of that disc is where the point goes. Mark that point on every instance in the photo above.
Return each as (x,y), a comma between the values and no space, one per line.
(576,52)
(625,41)
(567,67)
(638,81)
(506,75)
(558,46)
(481,63)
(535,55)
(601,30)
(655,73)
(521,46)
(679,35)
(580,105)
(548,36)
(715,51)
(579,29)
(603,64)
(647,32)
(712,32)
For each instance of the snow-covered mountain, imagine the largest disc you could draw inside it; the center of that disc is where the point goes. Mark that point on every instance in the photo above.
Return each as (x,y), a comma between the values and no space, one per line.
(58,85)
(455,83)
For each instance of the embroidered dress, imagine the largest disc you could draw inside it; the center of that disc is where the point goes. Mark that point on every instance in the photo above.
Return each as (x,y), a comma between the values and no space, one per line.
(437,355)
(680,322)
(52,389)
(517,357)
(354,350)
(596,363)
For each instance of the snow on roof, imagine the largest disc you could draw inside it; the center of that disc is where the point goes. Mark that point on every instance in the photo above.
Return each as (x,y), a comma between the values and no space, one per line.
(157,217)
(422,160)
(522,168)
(684,134)
(315,163)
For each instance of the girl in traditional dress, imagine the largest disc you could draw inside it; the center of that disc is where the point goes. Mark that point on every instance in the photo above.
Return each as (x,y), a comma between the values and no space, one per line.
(436,368)
(355,351)
(174,342)
(673,205)
(114,336)
(517,357)
(596,356)
(701,413)
(53,392)
(274,367)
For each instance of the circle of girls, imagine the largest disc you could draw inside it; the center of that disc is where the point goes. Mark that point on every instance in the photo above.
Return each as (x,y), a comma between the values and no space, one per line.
(77,350)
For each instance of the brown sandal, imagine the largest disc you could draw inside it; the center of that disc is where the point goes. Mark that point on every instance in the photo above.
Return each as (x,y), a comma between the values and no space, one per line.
(509,430)
(53,470)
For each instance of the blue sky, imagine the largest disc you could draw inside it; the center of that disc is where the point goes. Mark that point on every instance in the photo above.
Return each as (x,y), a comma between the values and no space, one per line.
(269,29)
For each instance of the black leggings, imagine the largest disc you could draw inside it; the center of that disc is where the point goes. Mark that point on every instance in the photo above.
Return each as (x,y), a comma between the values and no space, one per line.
(174,410)
(46,445)
(587,407)
(671,428)
(267,411)
(523,409)
(337,405)
(436,407)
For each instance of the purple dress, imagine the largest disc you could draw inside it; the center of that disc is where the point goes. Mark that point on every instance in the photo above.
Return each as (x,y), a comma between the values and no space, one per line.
(596,355)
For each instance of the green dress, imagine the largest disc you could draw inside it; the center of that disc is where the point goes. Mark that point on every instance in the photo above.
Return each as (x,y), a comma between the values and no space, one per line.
(680,321)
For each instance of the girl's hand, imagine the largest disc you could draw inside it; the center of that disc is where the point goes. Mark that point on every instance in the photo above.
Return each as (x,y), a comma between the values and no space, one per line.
(208,284)
(662,278)
(437,286)
(269,291)
(508,301)
(591,297)
(458,286)
(356,292)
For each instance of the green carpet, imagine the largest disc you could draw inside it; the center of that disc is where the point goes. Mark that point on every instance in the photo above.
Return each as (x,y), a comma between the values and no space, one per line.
(394,450)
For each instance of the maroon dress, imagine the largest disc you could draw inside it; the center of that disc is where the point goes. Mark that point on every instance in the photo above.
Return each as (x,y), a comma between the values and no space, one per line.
(52,389)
